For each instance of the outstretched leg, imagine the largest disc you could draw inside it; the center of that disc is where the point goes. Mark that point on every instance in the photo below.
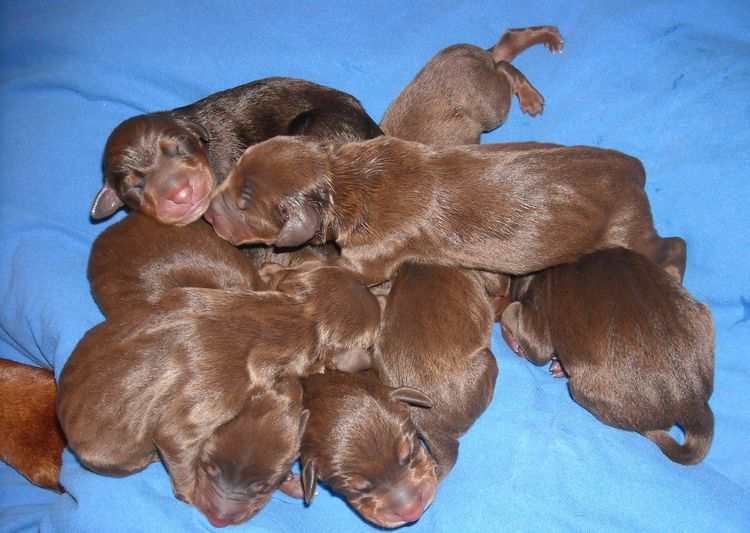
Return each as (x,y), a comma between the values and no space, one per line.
(529,99)
(515,41)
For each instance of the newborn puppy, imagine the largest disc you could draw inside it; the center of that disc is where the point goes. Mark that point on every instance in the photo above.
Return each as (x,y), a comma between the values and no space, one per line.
(638,349)
(167,164)
(499,208)
(444,352)
(136,261)
(345,314)
(166,378)
(360,442)
(30,438)
(464,91)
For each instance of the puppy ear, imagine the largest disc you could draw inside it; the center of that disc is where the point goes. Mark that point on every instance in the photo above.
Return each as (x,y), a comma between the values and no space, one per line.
(301,226)
(105,203)
(353,360)
(309,480)
(411,396)
(526,334)
(197,129)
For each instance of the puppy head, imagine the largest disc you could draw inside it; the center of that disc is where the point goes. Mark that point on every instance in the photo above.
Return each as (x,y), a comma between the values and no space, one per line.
(365,447)
(345,313)
(524,322)
(275,194)
(156,164)
(246,459)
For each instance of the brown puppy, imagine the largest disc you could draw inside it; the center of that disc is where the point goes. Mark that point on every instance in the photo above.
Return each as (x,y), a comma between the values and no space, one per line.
(361,442)
(136,261)
(494,207)
(30,437)
(165,378)
(167,164)
(444,352)
(638,348)
(464,91)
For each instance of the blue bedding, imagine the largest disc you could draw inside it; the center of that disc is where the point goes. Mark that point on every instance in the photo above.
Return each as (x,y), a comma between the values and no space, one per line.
(666,81)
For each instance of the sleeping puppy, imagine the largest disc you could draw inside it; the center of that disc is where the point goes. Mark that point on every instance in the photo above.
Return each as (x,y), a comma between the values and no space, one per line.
(167,164)
(165,378)
(501,208)
(361,442)
(465,90)
(444,353)
(30,437)
(638,349)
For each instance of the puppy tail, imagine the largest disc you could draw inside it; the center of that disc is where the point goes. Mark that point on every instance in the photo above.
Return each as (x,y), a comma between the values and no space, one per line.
(699,432)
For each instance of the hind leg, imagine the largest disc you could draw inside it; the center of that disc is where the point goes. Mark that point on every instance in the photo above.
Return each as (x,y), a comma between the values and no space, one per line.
(529,99)
(515,41)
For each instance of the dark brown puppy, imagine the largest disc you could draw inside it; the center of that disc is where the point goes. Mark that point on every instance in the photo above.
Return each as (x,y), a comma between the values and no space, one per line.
(167,377)
(30,437)
(444,352)
(167,164)
(361,442)
(465,90)
(494,207)
(638,349)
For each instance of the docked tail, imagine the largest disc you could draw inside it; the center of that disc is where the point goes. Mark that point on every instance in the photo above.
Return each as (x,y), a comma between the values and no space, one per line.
(698,436)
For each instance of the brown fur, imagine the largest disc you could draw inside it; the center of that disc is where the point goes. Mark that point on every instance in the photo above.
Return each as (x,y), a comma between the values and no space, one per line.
(444,352)
(30,437)
(167,164)
(465,90)
(169,377)
(361,442)
(502,208)
(638,349)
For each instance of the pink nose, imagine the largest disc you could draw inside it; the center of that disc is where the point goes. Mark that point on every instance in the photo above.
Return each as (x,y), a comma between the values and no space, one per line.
(412,512)
(182,193)
(216,521)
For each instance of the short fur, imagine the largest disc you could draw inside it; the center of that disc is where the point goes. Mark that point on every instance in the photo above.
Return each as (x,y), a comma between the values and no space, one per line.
(166,164)
(464,91)
(502,208)
(30,437)
(361,442)
(638,349)
(444,352)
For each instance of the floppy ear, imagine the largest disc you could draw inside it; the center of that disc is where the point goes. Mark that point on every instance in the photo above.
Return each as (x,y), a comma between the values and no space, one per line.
(105,203)
(301,226)
(309,480)
(411,396)
(198,129)
(353,360)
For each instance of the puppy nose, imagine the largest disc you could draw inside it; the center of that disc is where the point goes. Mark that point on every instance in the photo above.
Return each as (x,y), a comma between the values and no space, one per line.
(181,193)
(412,512)
(217,521)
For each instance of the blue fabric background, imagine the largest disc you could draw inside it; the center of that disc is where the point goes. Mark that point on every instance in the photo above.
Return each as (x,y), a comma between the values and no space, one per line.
(666,81)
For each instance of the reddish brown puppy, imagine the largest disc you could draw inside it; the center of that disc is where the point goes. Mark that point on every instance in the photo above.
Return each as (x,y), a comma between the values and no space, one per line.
(465,90)
(167,164)
(444,352)
(638,349)
(494,207)
(361,442)
(30,437)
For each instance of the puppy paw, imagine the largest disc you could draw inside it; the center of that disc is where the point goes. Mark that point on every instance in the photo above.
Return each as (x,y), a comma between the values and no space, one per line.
(556,369)
(553,41)
(530,100)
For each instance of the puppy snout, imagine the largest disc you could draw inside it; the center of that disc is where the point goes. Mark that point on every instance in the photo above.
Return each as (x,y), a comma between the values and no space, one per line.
(180,192)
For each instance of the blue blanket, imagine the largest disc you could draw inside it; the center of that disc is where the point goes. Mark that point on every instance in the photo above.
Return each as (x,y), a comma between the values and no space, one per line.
(666,81)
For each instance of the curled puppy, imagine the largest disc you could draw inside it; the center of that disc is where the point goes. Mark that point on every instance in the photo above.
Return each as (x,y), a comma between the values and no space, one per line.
(166,378)
(361,442)
(435,337)
(638,349)
(166,164)
(465,90)
(30,437)
(501,208)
